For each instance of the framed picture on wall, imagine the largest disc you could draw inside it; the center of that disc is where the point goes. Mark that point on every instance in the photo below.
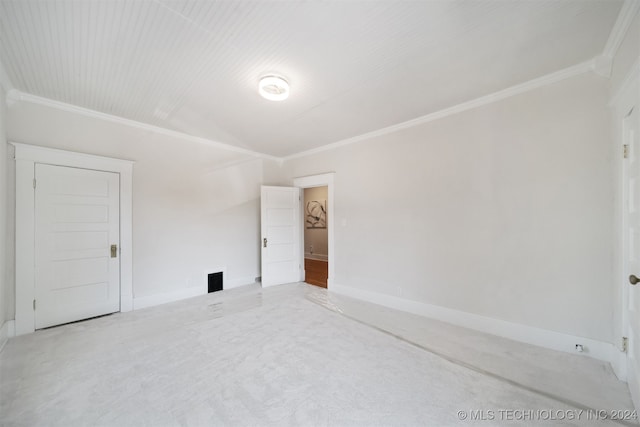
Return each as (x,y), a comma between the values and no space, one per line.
(316,214)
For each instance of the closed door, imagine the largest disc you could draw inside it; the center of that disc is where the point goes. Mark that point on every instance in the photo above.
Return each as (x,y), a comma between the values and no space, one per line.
(280,235)
(632,249)
(77,227)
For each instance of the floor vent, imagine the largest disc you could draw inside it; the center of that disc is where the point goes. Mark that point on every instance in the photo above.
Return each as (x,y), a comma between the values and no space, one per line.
(215,282)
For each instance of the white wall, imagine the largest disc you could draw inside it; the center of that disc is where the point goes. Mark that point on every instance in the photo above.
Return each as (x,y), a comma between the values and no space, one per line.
(195,206)
(316,239)
(503,211)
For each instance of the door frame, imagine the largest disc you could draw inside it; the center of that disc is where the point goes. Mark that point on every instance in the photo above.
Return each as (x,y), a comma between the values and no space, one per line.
(627,97)
(325,179)
(26,156)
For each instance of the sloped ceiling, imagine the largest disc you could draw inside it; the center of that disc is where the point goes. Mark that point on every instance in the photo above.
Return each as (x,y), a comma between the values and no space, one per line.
(353,66)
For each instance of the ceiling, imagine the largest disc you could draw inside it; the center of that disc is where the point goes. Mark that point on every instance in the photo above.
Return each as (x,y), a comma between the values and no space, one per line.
(353,66)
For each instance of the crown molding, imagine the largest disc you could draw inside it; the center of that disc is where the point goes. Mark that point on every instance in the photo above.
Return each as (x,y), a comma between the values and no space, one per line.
(602,66)
(229,164)
(478,102)
(14,96)
(627,83)
(594,65)
(627,13)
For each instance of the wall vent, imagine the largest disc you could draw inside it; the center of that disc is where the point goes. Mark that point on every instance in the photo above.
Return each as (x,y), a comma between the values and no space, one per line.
(215,281)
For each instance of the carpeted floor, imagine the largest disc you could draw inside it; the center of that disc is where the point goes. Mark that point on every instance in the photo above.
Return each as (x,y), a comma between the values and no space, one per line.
(288,355)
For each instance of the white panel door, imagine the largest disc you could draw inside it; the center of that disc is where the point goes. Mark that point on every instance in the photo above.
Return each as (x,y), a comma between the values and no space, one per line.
(280,235)
(632,219)
(77,220)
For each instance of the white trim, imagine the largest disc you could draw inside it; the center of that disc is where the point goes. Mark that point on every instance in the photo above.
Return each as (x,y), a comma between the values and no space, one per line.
(478,102)
(515,331)
(236,283)
(166,297)
(595,64)
(16,95)
(8,330)
(627,84)
(229,164)
(632,382)
(619,364)
(26,156)
(602,66)
(316,257)
(320,181)
(626,98)
(193,291)
(621,27)
(620,261)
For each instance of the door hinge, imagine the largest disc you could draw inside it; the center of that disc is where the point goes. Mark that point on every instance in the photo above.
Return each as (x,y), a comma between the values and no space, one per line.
(34,305)
(625,151)
(34,183)
(625,344)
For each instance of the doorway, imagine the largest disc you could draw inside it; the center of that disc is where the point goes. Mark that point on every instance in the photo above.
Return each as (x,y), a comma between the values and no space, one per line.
(282,230)
(30,161)
(316,236)
(312,182)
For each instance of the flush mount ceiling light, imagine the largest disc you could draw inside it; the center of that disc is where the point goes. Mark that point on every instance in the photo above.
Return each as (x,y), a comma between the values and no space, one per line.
(273,88)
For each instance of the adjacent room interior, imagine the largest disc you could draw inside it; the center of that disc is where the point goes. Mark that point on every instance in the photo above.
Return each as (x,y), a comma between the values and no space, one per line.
(316,237)
(319,213)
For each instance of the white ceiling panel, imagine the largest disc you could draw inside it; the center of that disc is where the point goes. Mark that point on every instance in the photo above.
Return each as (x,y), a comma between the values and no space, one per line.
(353,66)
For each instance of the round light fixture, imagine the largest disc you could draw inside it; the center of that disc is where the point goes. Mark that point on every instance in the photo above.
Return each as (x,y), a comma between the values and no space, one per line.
(273,88)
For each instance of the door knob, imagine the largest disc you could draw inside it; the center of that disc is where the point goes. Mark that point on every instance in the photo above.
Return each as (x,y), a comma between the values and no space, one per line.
(114,251)
(633,279)
(264,242)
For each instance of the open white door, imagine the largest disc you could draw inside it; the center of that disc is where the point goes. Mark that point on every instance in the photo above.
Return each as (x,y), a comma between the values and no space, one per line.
(280,214)
(77,238)
(632,249)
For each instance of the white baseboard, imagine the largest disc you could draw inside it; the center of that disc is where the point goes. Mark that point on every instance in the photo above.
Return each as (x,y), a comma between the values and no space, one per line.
(157,299)
(6,331)
(515,331)
(634,387)
(317,257)
(619,364)
(194,291)
(236,283)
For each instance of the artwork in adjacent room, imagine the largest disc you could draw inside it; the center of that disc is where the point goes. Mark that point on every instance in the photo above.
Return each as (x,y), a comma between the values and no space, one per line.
(316,214)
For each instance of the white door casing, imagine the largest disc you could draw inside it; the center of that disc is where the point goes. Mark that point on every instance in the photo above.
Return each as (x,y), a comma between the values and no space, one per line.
(280,242)
(630,137)
(26,156)
(77,275)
